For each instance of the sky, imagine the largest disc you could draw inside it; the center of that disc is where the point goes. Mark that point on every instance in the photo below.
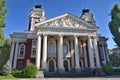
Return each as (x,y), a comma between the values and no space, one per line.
(18,11)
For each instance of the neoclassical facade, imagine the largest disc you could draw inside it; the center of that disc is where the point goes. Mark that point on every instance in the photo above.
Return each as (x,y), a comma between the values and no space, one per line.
(63,43)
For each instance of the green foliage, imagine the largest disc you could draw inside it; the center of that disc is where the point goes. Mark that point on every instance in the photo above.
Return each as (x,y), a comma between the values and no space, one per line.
(1,37)
(6,69)
(4,54)
(114,24)
(2,13)
(107,69)
(18,74)
(116,72)
(114,60)
(6,77)
(8,41)
(31,71)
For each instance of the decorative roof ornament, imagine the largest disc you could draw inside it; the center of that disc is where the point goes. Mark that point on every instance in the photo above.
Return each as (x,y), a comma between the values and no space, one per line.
(85,11)
(38,6)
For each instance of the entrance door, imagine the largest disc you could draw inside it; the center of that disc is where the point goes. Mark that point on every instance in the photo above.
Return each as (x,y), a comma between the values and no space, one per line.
(66,66)
(51,66)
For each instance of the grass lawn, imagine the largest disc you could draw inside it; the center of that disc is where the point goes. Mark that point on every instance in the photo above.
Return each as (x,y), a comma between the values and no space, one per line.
(7,77)
(13,75)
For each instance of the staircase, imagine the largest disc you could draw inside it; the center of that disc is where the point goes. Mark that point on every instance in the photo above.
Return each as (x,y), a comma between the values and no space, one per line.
(73,74)
(67,74)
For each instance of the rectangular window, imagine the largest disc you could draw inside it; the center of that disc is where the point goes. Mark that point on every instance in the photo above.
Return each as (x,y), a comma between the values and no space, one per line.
(33,50)
(33,54)
(33,43)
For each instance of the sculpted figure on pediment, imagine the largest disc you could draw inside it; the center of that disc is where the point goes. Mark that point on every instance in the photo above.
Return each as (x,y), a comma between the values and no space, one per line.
(64,22)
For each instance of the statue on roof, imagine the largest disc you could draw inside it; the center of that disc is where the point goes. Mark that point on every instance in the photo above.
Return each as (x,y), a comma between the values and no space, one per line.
(85,11)
(38,6)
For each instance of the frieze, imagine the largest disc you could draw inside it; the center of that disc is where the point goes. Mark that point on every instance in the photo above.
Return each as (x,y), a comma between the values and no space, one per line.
(68,31)
(64,22)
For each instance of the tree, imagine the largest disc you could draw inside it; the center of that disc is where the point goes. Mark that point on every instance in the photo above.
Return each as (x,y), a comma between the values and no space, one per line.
(6,69)
(1,37)
(2,22)
(114,24)
(114,60)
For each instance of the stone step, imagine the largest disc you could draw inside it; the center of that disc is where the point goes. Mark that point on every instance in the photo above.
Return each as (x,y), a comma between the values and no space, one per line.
(67,74)
(40,74)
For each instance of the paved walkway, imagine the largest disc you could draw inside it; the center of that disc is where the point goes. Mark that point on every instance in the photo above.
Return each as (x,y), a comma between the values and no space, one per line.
(89,78)
(74,79)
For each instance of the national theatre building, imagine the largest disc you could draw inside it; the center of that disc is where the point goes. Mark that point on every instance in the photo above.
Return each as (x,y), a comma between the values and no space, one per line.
(61,44)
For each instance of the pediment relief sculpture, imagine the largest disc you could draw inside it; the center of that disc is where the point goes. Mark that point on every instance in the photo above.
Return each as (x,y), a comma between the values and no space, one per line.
(64,22)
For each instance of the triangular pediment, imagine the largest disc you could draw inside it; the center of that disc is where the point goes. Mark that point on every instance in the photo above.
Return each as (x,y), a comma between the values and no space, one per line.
(66,20)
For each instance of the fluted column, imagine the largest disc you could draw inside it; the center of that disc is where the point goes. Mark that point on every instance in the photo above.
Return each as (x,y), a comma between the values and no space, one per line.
(11,53)
(72,54)
(103,51)
(44,60)
(96,53)
(77,64)
(85,54)
(38,51)
(107,54)
(91,57)
(60,54)
(15,56)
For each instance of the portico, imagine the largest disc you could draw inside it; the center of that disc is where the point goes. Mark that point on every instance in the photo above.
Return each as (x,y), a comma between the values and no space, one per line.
(62,44)
(74,51)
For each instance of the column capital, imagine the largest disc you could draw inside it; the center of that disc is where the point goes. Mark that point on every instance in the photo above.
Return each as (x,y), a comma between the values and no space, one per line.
(95,37)
(13,42)
(16,42)
(75,36)
(61,35)
(39,34)
(45,34)
(84,39)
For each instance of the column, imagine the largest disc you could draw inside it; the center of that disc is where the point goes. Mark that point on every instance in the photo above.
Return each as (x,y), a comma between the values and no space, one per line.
(11,53)
(72,54)
(96,53)
(38,51)
(107,54)
(91,57)
(15,56)
(103,51)
(85,54)
(60,54)
(77,64)
(44,60)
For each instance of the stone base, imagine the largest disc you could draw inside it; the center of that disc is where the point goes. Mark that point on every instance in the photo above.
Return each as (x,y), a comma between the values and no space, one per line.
(101,72)
(86,70)
(77,70)
(44,70)
(97,72)
(61,70)
(72,70)
(40,74)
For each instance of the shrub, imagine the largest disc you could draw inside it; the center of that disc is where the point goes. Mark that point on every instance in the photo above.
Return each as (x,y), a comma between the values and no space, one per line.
(18,74)
(31,71)
(107,69)
(6,69)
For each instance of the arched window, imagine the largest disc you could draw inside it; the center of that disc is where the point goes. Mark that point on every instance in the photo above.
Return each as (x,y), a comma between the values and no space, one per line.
(51,48)
(65,48)
(21,51)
